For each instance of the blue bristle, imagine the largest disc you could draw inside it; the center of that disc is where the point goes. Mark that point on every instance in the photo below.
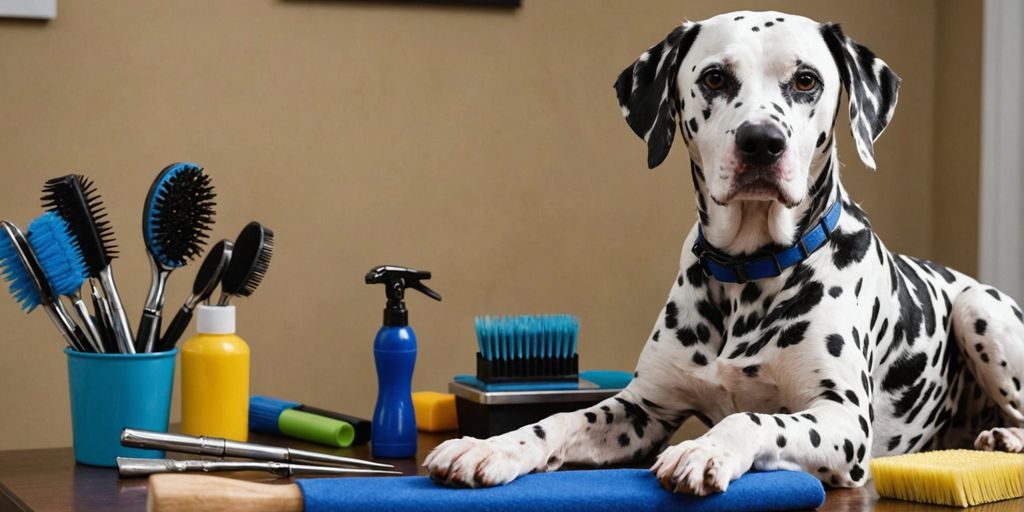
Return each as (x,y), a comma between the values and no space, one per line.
(58,253)
(21,285)
(523,337)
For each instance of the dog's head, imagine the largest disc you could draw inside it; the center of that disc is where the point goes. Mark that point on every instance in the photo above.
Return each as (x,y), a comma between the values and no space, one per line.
(756,96)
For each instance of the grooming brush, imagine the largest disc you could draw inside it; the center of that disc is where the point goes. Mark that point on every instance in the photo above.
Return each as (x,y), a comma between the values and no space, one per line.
(75,199)
(64,267)
(958,478)
(177,214)
(250,260)
(207,279)
(29,286)
(133,468)
(527,349)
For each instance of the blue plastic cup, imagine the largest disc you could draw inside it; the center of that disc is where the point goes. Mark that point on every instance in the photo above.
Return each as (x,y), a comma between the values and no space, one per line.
(110,392)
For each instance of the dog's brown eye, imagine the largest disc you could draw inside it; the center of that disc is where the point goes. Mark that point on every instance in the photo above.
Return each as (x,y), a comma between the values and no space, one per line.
(714,80)
(805,82)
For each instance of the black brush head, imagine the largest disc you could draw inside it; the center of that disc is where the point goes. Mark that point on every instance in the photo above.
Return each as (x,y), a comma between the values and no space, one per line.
(250,260)
(178,214)
(75,199)
(212,270)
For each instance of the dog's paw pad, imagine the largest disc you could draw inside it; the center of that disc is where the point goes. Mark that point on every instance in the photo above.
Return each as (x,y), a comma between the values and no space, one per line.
(1001,439)
(695,467)
(469,462)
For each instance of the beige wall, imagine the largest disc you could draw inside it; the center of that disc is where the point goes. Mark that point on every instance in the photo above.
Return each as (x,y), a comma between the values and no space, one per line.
(484,145)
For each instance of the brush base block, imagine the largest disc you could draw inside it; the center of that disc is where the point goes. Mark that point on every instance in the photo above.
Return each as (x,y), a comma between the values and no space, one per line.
(546,369)
(484,414)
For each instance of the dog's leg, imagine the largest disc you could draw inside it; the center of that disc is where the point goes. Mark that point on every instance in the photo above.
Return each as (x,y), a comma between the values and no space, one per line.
(829,440)
(990,329)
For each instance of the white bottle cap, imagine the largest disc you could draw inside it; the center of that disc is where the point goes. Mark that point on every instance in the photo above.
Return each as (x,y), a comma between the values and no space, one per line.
(215,319)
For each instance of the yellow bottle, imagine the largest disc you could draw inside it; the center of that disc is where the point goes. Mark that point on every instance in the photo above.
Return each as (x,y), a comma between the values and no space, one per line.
(215,377)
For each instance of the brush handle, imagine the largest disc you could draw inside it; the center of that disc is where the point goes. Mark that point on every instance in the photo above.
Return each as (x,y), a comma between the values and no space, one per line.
(118,318)
(176,329)
(149,325)
(66,327)
(173,492)
(92,334)
(106,326)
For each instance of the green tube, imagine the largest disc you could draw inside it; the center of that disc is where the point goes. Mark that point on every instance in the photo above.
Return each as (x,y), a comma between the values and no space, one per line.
(316,429)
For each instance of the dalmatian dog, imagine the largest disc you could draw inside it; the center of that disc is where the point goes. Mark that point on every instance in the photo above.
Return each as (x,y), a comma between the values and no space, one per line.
(790,330)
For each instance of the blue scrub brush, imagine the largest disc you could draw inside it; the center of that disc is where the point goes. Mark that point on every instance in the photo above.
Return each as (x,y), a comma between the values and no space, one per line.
(176,217)
(64,267)
(527,349)
(29,285)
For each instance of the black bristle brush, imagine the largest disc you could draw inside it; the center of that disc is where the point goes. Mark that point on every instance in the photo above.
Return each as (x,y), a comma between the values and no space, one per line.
(176,217)
(250,260)
(75,199)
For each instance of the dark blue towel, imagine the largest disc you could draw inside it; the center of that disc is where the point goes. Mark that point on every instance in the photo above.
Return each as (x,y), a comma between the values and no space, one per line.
(623,490)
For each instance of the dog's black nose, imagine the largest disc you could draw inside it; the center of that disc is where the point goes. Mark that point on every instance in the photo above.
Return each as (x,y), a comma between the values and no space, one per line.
(760,144)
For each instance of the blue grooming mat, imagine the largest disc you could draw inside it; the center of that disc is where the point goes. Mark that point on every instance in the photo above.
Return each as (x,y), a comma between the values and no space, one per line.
(622,490)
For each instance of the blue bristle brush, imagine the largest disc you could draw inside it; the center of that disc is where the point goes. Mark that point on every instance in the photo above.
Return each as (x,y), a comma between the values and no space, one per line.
(64,267)
(175,220)
(528,349)
(29,285)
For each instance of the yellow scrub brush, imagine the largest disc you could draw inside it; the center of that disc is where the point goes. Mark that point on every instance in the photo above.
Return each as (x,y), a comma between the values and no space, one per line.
(959,478)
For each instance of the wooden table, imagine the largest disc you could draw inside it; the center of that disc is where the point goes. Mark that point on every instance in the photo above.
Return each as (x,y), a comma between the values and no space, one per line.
(49,479)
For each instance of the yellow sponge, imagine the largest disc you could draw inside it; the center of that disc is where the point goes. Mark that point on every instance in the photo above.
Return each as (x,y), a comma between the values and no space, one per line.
(950,477)
(435,412)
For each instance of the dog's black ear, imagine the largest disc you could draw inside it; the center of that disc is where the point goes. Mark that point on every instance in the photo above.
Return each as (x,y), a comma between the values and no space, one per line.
(647,92)
(871,86)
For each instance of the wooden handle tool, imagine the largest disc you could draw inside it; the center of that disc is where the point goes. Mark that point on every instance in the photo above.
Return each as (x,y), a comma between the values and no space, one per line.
(200,493)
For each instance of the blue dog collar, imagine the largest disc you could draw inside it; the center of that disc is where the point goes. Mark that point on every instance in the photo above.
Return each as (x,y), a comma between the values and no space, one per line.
(735,270)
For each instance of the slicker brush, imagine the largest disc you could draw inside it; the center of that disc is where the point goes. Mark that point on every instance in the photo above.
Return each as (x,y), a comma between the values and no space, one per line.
(176,217)
(75,199)
(250,260)
(959,478)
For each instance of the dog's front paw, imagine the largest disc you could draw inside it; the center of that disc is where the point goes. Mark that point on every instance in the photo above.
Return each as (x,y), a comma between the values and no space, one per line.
(471,462)
(1001,439)
(696,467)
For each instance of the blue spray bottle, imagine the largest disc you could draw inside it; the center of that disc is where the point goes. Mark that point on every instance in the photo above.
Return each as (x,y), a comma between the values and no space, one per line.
(394,350)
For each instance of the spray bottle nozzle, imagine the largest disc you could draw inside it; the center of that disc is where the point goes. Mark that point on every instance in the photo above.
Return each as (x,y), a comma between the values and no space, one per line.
(395,280)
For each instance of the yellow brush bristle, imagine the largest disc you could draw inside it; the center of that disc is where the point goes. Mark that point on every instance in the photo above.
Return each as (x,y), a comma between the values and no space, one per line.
(960,478)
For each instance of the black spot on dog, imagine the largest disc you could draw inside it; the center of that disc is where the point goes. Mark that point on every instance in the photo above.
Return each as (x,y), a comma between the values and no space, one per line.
(686,336)
(766,338)
(637,416)
(834,342)
(994,293)
(779,422)
(1017,313)
(695,275)
(679,280)
(751,371)
(699,359)
(863,425)
(755,29)
(852,397)
(904,371)
(753,417)
(874,313)
(913,441)
(591,417)
(856,473)
(821,140)
(780,19)
(740,349)
(828,394)
(738,104)
(980,326)
(768,24)
(815,438)
(894,442)
(657,334)
(623,439)
(539,431)
(984,357)
(745,324)
(849,248)
(810,417)
(835,292)
(751,292)
(737,18)
(707,113)
(907,400)
(608,417)
(1016,383)
(671,315)
(856,289)
(848,450)
(861,452)
(781,441)
(793,334)
(693,124)
(799,304)
(823,469)
(711,314)
(828,384)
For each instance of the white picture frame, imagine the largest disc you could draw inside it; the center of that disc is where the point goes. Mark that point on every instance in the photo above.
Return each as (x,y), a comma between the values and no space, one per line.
(31,9)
